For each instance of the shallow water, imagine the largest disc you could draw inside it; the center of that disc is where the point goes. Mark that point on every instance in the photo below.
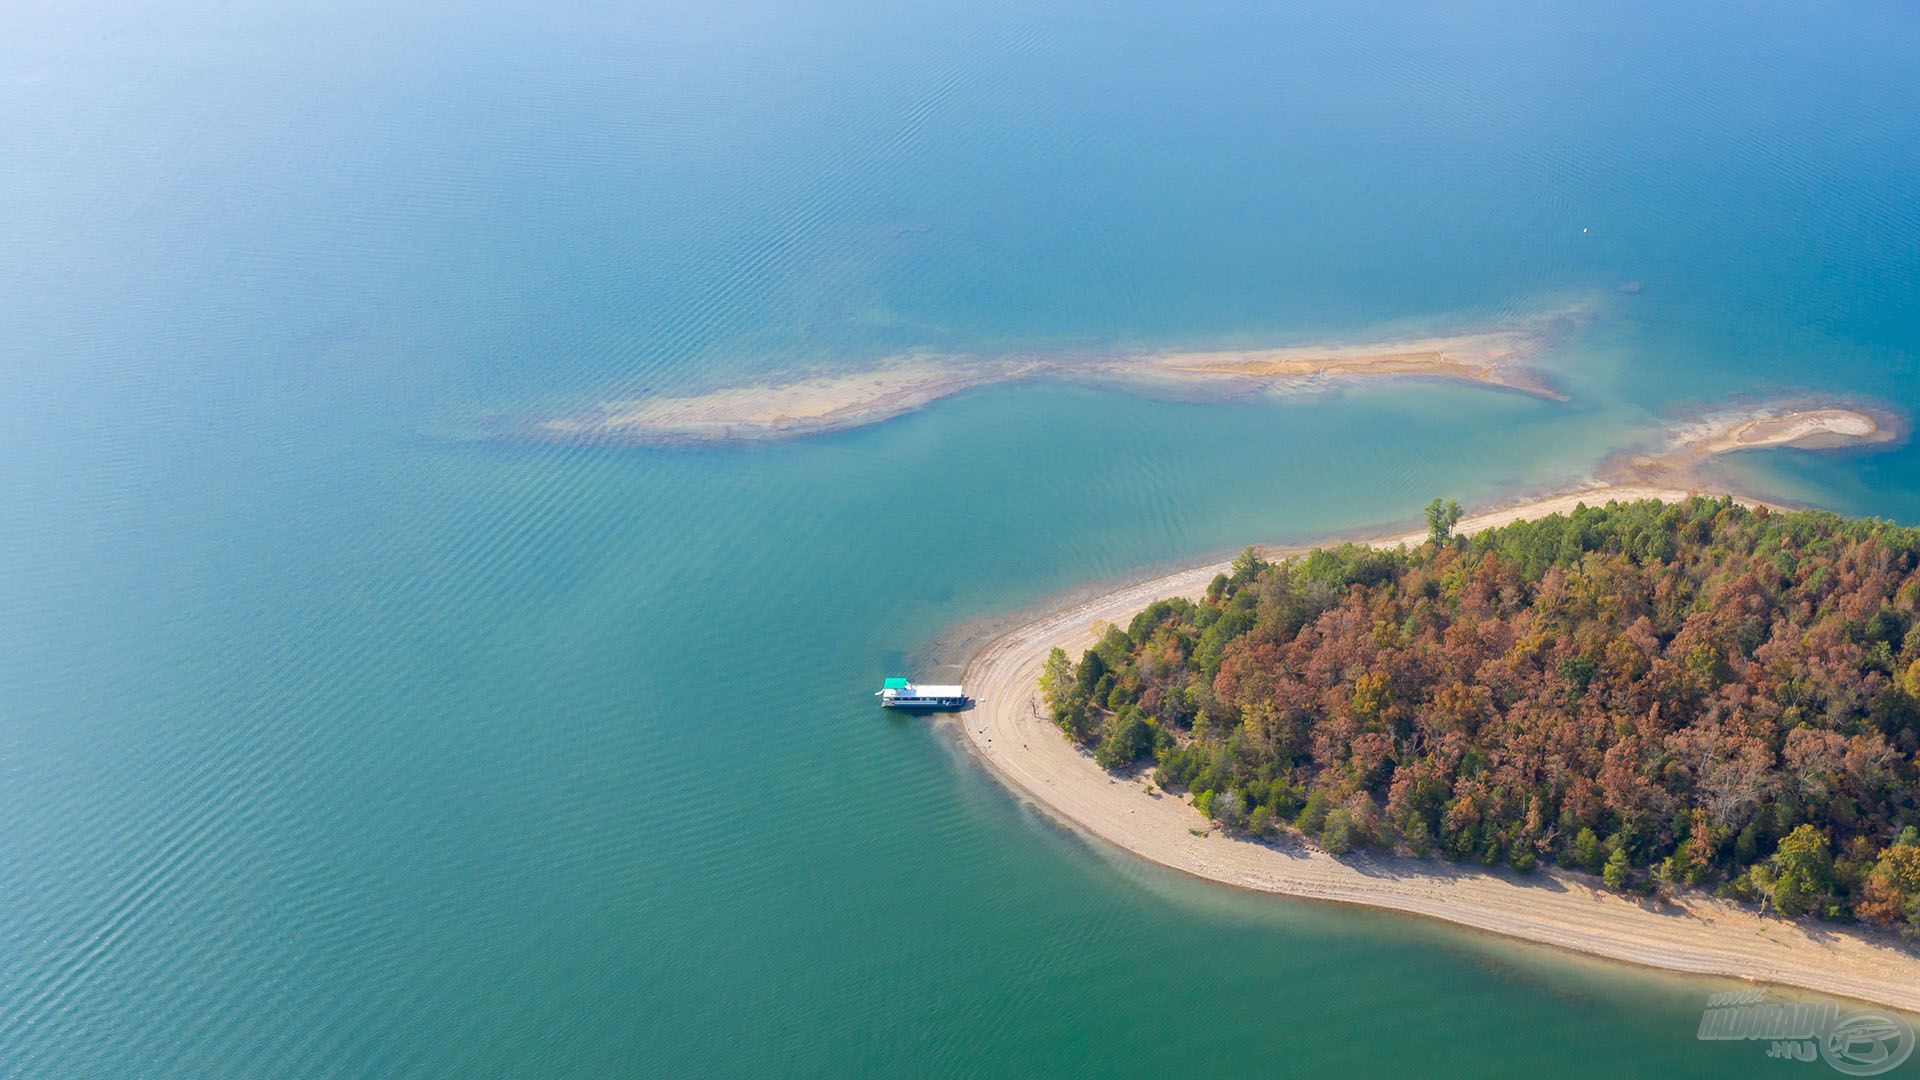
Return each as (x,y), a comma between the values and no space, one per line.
(335,745)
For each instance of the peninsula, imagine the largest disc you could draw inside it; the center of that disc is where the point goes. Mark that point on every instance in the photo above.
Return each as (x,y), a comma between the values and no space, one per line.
(1504,853)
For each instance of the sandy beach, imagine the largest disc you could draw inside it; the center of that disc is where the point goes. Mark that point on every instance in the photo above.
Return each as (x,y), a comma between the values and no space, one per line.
(1009,730)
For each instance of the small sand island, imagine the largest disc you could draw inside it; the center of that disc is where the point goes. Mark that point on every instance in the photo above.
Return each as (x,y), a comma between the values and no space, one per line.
(1494,828)
(813,404)
(1809,429)
(1685,453)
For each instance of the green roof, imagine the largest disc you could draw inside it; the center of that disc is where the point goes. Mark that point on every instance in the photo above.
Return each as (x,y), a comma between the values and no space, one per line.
(895,684)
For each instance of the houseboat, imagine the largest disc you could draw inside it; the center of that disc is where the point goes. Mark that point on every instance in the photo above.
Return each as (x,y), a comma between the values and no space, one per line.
(906,694)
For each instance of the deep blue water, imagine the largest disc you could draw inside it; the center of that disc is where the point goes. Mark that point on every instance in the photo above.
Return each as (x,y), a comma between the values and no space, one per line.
(331,744)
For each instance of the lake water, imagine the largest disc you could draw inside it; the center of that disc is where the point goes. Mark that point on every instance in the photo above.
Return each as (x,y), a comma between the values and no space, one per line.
(335,744)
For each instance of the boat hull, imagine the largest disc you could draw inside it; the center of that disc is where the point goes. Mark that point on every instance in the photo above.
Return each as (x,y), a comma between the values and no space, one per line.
(924,704)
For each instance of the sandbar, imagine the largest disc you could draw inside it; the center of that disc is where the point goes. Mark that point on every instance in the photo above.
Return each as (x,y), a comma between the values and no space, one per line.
(795,405)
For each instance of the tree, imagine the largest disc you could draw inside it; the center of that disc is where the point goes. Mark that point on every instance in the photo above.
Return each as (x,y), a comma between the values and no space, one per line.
(1087,677)
(1260,822)
(1441,518)
(1056,680)
(1587,852)
(1065,701)
(1337,835)
(1617,870)
(1229,809)
(1890,895)
(1246,566)
(1131,736)
(1419,836)
(1746,846)
(1802,872)
(1313,815)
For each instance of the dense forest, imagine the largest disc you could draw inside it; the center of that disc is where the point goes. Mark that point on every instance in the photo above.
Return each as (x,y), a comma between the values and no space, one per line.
(1662,695)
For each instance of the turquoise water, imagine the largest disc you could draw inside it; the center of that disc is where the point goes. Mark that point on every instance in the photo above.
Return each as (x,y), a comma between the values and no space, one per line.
(333,745)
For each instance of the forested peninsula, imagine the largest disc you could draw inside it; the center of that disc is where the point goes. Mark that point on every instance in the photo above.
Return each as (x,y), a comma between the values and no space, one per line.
(1666,695)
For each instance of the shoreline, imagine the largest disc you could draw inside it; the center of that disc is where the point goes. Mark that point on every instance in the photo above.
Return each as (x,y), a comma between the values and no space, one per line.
(1008,730)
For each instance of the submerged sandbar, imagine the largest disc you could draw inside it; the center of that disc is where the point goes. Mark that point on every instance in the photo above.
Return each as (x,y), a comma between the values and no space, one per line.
(807,404)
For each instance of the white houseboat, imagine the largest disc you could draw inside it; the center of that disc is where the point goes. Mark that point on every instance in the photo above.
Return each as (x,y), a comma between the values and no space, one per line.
(905,694)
